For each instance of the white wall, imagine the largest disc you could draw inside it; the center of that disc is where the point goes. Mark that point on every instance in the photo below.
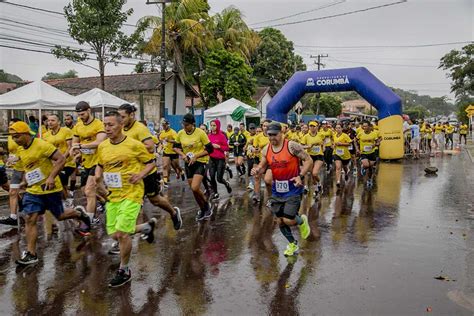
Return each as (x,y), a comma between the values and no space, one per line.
(181,96)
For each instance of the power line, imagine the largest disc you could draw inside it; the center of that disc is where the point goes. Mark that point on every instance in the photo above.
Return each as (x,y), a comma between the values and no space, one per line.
(385,46)
(335,15)
(383,64)
(300,13)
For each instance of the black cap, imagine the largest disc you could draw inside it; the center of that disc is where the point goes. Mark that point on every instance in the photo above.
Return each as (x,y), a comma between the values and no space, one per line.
(274,128)
(189,119)
(251,126)
(82,106)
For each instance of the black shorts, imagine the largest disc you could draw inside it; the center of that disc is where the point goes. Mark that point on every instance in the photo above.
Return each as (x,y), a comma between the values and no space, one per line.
(317,157)
(196,168)
(285,207)
(3,175)
(65,174)
(344,161)
(171,156)
(152,184)
(238,152)
(85,174)
(251,162)
(369,157)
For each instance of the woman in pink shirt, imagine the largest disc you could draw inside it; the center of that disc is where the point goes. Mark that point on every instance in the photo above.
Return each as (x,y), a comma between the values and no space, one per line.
(217,158)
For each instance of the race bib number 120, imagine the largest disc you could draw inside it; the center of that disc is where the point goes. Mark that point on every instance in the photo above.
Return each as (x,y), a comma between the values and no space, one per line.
(113,179)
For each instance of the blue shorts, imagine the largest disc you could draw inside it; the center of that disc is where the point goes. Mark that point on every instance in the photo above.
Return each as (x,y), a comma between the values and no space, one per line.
(39,203)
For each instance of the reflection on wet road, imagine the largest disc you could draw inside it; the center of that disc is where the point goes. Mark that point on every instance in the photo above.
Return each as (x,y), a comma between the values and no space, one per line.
(371,252)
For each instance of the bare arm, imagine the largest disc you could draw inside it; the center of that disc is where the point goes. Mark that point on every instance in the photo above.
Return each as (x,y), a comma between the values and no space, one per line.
(58,164)
(99,139)
(298,151)
(150,145)
(263,162)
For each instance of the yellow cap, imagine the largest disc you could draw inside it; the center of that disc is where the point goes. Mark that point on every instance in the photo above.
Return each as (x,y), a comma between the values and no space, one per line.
(20,128)
(313,123)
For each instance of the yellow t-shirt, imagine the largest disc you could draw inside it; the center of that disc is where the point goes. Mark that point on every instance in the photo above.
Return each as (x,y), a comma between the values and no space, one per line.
(439,129)
(449,129)
(37,166)
(250,146)
(229,134)
(246,134)
(260,141)
(375,127)
(327,136)
(359,130)
(463,129)
(59,140)
(367,142)
(316,142)
(342,151)
(193,143)
(118,162)
(88,134)
(165,136)
(138,131)
(428,132)
(12,151)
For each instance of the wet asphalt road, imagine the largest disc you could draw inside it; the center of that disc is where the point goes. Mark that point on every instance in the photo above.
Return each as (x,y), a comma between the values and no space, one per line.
(371,253)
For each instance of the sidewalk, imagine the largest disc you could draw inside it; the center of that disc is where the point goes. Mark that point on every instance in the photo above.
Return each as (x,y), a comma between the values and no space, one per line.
(470,149)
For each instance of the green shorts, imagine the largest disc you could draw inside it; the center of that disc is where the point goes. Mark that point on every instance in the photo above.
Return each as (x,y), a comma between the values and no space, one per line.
(122,216)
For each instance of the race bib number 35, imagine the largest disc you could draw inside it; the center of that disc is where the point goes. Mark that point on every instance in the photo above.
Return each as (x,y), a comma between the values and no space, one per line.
(34,176)
(113,179)
(282,186)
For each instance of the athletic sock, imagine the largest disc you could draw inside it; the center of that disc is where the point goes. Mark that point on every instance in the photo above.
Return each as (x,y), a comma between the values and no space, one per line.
(144,228)
(299,220)
(13,216)
(286,231)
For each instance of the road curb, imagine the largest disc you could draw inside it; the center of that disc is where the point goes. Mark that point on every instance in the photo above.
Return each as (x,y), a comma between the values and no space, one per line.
(469,154)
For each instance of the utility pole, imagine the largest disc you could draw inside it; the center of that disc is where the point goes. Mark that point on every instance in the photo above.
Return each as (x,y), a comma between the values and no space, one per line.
(162,54)
(318,95)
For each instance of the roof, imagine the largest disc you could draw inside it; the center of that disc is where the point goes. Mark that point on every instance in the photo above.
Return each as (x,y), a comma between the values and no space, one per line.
(260,92)
(356,102)
(7,86)
(115,83)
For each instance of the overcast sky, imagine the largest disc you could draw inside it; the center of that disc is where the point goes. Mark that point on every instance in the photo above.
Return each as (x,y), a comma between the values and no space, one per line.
(415,22)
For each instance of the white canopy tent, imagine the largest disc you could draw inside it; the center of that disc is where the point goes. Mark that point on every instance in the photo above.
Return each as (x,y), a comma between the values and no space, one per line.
(98,98)
(224,110)
(37,95)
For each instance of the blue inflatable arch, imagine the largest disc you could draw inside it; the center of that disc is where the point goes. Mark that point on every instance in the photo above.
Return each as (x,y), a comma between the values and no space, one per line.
(387,103)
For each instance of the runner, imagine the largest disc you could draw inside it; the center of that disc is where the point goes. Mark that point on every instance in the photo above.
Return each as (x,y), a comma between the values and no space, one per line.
(193,145)
(351,131)
(342,156)
(259,142)
(61,138)
(123,163)
(449,130)
(327,134)
(283,157)
(252,158)
(42,163)
(244,131)
(69,121)
(313,143)
(217,158)
(415,138)
(368,140)
(438,136)
(229,133)
(17,175)
(137,131)
(428,137)
(238,140)
(463,133)
(88,134)
(170,157)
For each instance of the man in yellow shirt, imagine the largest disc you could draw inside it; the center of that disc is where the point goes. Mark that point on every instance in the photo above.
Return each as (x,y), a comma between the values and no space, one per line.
(327,134)
(342,156)
(42,163)
(193,145)
(123,163)
(252,159)
(368,142)
(170,157)
(449,131)
(88,133)
(463,133)
(138,131)
(313,142)
(245,132)
(438,136)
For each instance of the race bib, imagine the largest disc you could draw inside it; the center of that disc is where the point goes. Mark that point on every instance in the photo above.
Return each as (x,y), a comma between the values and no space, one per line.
(113,179)
(339,151)
(190,155)
(351,147)
(34,176)
(316,149)
(327,140)
(367,147)
(282,186)
(164,142)
(87,151)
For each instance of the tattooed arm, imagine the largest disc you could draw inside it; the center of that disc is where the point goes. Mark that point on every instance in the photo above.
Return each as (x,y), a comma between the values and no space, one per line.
(298,151)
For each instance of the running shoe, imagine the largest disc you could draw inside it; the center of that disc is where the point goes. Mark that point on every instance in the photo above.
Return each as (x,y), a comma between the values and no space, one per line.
(251,186)
(256,198)
(150,236)
(120,278)
(85,228)
(100,207)
(291,249)
(183,178)
(227,168)
(200,215)
(208,213)
(363,171)
(228,187)
(115,249)
(177,220)
(304,228)
(27,258)
(215,196)
(7,220)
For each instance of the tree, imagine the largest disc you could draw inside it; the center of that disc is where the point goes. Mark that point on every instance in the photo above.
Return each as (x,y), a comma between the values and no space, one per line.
(54,75)
(462,103)
(416,112)
(227,75)
(329,105)
(274,61)
(98,24)
(7,77)
(460,65)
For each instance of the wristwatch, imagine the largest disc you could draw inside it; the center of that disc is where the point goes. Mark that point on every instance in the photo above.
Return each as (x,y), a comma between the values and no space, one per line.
(301,177)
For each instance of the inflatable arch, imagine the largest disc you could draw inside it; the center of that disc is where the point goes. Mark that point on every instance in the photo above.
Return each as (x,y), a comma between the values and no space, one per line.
(387,103)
